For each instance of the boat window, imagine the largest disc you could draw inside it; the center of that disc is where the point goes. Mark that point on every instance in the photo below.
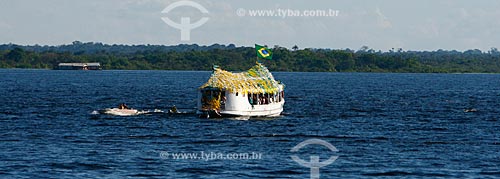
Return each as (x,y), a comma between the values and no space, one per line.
(236,93)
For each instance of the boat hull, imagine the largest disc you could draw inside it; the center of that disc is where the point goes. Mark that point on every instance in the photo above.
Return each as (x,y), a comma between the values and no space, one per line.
(120,112)
(267,111)
(219,114)
(240,106)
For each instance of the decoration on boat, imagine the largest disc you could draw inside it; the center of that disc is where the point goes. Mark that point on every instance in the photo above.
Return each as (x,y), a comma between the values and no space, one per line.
(257,79)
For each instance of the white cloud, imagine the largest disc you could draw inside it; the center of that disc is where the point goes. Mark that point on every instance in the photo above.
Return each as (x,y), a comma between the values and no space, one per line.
(463,13)
(5,26)
(382,19)
(429,29)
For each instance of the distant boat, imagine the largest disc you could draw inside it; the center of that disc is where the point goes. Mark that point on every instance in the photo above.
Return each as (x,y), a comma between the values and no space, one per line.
(79,66)
(121,112)
(250,93)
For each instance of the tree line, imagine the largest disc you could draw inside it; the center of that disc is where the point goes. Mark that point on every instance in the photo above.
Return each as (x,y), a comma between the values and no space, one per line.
(230,57)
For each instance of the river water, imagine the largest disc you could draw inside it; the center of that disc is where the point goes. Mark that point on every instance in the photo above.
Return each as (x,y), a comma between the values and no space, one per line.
(382,125)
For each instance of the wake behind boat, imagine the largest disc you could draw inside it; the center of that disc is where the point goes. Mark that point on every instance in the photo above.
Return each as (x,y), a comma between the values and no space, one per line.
(124,110)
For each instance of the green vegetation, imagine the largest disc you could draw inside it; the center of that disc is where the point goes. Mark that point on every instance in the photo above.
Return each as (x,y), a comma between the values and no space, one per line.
(194,57)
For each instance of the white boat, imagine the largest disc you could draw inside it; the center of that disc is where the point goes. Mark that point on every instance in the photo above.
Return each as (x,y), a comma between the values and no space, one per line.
(251,93)
(121,112)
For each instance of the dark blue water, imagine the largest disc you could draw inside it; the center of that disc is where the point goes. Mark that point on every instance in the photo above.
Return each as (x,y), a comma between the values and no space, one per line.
(384,125)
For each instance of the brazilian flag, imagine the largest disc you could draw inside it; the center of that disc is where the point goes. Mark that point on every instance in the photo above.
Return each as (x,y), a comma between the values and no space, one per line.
(263,52)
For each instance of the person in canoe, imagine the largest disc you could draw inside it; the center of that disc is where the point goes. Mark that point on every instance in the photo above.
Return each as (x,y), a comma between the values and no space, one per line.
(123,106)
(173,110)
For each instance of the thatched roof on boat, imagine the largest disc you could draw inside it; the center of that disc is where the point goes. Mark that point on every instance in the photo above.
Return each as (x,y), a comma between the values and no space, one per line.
(257,79)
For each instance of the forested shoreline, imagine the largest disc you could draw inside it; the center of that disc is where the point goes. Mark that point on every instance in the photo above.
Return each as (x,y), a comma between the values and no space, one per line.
(230,57)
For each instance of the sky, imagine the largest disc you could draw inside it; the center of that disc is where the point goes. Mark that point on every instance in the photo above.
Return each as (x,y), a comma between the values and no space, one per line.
(378,24)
